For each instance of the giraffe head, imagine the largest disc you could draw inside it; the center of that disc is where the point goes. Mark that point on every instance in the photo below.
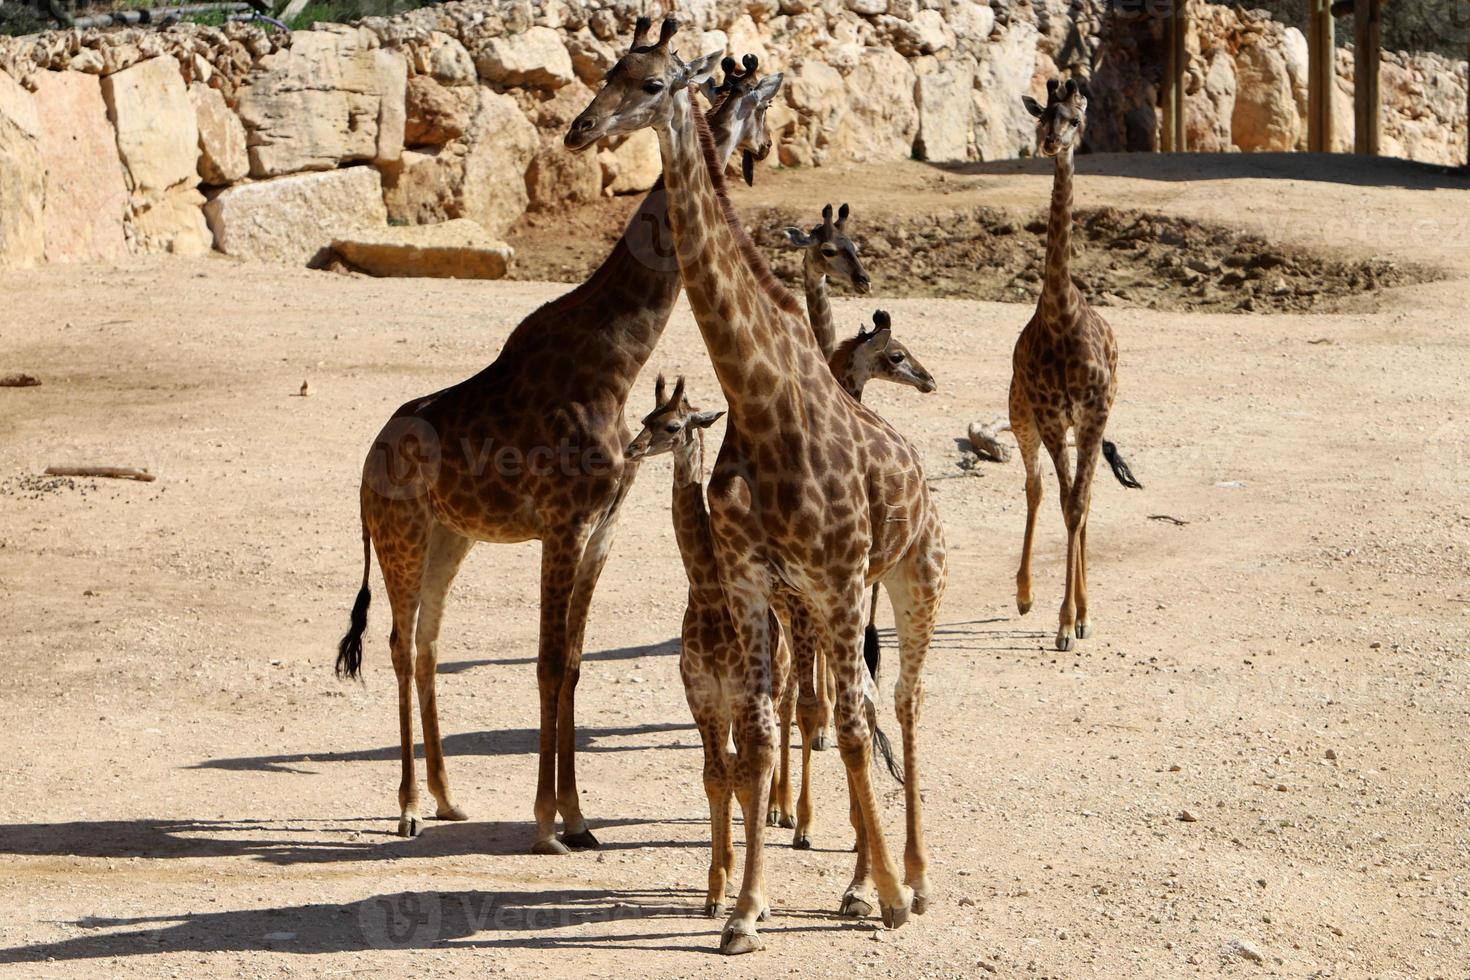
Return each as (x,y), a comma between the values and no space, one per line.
(673,426)
(639,90)
(742,100)
(1060,122)
(876,355)
(830,251)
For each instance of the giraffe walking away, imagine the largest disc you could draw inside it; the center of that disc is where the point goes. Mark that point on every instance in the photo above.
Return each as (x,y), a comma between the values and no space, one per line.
(811,499)
(529,448)
(1065,373)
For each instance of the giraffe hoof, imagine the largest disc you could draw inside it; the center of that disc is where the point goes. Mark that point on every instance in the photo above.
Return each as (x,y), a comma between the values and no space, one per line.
(552,846)
(735,941)
(583,840)
(801,843)
(1084,630)
(788,821)
(410,825)
(451,812)
(1023,606)
(921,903)
(713,910)
(854,906)
(821,741)
(773,818)
(895,916)
(1065,642)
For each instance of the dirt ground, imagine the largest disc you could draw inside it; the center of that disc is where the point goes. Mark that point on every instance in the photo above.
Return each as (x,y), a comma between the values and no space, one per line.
(189,792)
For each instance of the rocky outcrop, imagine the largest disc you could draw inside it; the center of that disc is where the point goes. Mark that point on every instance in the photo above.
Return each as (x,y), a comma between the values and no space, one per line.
(457,249)
(458,108)
(295,219)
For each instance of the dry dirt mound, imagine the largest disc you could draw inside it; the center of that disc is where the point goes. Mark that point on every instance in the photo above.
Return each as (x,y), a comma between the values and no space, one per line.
(1124,258)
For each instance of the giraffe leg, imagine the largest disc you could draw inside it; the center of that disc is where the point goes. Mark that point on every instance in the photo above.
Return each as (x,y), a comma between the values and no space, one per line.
(1089,446)
(857,899)
(1056,445)
(806,642)
(401,576)
(754,724)
(561,555)
(446,552)
(915,598)
(781,813)
(575,832)
(822,738)
(712,719)
(855,742)
(1024,429)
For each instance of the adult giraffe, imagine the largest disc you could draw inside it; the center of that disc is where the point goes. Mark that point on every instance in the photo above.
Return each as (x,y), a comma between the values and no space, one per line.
(529,448)
(812,496)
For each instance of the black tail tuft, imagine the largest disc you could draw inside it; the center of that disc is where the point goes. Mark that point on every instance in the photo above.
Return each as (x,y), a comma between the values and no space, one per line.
(885,749)
(872,652)
(1120,466)
(349,651)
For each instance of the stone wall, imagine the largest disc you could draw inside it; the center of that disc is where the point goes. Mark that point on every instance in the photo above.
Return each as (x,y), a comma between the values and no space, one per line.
(268,145)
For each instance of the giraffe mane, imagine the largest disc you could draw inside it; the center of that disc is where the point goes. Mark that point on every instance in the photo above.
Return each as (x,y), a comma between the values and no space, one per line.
(756,262)
(845,352)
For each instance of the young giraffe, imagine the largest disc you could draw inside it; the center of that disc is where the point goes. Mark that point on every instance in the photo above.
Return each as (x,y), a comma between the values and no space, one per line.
(827,253)
(867,357)
(812,497)
(529,448)
(710,650)
(1065,372)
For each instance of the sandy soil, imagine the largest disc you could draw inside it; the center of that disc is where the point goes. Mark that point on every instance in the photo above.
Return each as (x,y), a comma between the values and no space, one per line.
(189,792)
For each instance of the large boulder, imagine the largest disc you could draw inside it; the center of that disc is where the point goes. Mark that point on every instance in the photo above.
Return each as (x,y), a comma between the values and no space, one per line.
(536,58)
(22,178)
(818,99)
(445,60)
(480,176)
(1003,73)
(295,219)
(945,108)
(222,155)
(457,249)
(158,141)
(1266,117)
(87,195)
(332,97)
(637,163)
(1209,110)
(434,113)
(882,119)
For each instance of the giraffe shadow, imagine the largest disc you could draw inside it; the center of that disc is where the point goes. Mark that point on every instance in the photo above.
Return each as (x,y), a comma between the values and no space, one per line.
(664,648)
(972,636)
(504,742)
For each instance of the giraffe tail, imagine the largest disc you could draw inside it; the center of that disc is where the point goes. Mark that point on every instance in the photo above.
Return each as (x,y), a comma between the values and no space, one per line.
(349,648)
(882,744)
(1120,466)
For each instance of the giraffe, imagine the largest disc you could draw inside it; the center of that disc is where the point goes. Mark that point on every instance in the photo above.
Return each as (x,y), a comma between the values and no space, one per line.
(529,448)
(827,253)
(869,356)
(710,649)
(1065,372)
(811,499)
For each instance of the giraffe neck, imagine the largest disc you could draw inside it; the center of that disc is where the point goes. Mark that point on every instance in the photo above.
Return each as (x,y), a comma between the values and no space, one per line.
(746,321)
(1058,295)
(818,304)
(691,519)
(850,371)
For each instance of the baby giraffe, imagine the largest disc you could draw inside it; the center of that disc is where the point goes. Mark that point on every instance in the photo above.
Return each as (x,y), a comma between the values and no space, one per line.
(711,646)
(1065,371)
(827,253)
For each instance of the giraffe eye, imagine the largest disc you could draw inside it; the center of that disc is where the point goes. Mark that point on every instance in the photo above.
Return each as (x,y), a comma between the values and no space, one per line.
(829,250)
(653,86)
(672,427)
(896,357)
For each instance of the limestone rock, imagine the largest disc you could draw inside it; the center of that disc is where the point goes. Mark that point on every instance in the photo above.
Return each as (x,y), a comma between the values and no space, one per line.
(1003,73)
(457,249)
(881,118)
(445,60)
(557,176)
(1208,112)
(331,98)
(222,156)
(536,58)
(172,222)
(295,219)
(945,107)
(434,114)
(638,163)
(815,92)
(157,129)
(1266,116)
(87,194)
(22,179)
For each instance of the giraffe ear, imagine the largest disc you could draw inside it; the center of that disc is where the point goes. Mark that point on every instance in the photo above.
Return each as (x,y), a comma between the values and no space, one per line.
(1032,106)
(708,89)
(796,238)
(698,71)
(767,88)
(703,420)
(881,338)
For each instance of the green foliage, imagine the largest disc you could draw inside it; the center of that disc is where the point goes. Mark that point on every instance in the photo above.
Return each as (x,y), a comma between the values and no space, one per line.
(17,19)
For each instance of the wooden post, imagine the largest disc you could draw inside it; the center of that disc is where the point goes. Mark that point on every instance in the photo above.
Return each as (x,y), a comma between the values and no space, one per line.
(1367,101)
(1321,75)
(1176,67)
